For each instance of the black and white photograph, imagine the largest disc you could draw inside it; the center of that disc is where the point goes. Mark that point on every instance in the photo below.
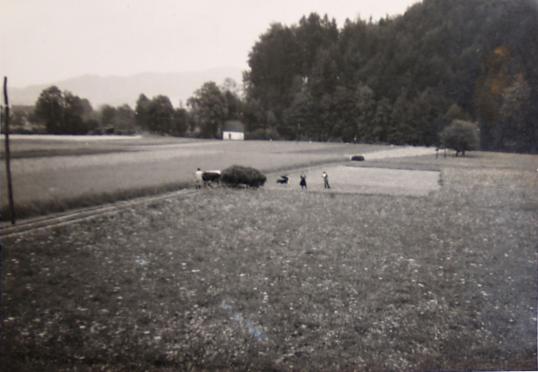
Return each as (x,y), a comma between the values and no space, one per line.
(287,185)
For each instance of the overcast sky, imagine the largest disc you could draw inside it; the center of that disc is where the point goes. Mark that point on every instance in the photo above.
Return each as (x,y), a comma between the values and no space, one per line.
(43,41)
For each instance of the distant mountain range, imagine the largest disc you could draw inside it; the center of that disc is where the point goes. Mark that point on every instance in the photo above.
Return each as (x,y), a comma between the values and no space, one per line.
(117,90)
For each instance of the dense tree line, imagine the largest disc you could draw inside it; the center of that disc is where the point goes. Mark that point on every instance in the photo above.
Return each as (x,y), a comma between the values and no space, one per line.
(209,108)
(403,79)
(64,112)
(61,112)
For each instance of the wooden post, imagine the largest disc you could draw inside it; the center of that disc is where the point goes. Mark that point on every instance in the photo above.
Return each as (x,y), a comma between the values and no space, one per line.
(8,155)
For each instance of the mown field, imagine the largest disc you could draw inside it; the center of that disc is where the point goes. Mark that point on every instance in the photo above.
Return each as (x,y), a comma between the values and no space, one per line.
(66,172)
(267,279)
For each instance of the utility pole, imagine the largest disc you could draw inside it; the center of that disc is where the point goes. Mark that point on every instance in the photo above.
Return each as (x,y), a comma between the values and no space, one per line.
(8,155)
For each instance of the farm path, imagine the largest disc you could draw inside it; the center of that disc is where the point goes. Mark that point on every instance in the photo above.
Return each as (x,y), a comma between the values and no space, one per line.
(82,214)
(400,152)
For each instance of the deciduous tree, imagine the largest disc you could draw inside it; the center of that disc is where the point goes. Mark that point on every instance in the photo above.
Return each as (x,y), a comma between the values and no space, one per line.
(461,136)
(50,109)
(209,109)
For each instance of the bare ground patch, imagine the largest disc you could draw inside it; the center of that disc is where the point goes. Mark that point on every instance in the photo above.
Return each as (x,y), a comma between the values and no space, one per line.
(358,180)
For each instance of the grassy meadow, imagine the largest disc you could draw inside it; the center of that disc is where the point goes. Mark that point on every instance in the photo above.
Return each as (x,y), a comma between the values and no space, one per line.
(266,279)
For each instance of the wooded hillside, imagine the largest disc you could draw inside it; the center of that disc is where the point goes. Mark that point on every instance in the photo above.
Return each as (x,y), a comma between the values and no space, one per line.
(401,80)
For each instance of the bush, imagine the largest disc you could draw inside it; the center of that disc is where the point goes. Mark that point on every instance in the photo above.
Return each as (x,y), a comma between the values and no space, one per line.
(461,136)
(237,175)
(262,134)
(258,134)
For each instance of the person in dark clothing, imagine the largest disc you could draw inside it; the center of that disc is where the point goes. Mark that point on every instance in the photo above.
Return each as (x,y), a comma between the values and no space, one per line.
(303,182)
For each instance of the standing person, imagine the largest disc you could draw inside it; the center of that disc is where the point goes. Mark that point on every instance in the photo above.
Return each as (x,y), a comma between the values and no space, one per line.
(325,177)
(303,182)
(198,178)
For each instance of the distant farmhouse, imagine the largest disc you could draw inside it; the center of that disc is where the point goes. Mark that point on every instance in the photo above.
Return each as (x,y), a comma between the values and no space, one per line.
(233,130)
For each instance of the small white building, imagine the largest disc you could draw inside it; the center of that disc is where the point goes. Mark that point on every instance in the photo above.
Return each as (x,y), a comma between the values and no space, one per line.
(233,130)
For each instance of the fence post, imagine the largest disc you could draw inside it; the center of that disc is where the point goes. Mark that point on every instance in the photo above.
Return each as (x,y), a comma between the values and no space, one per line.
(8,155)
